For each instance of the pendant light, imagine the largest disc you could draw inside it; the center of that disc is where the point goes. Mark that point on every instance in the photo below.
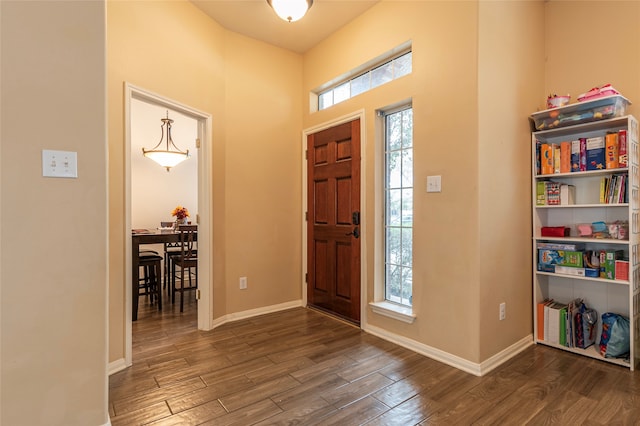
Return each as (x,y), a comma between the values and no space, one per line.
(166,154)
(290,10)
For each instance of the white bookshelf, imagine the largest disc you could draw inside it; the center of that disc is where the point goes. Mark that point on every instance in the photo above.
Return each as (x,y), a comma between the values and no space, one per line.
(603,295)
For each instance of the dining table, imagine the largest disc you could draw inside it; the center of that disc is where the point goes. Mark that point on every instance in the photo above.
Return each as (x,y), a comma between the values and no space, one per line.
(146,236)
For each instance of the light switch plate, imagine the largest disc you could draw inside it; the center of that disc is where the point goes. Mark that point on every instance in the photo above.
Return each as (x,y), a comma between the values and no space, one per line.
(62,164)
(434,183)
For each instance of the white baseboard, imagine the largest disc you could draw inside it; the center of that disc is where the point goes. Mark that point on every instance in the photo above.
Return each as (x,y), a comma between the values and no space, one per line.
(449,359)
(506,354)
(117,365)
(255,312)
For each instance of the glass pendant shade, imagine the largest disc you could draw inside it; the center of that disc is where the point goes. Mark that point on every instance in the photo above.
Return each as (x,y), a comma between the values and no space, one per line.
(290,10)
(166,153)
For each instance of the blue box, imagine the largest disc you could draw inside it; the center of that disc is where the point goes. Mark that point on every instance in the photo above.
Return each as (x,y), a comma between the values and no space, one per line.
(595,153)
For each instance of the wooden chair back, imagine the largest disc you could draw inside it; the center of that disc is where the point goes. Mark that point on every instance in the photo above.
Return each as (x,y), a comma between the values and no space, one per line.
(188,248)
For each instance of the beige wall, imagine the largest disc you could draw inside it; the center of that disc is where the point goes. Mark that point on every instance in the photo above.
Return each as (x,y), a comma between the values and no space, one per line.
(455,46)
(574,65)
(54,245)
(252,90)
(511,75)
(263,186)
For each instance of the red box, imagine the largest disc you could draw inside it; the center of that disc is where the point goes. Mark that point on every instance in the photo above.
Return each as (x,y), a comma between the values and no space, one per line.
(555,231)
(622,270)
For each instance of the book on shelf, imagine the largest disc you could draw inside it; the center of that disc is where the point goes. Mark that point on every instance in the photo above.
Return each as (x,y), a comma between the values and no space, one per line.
(567,194)
(557,160)
(553,193)
(583,154)
(611,150)
(565,157)
(540,322)
(541,193)
(604,182)
(555,326)
(538,164)
(572,309)
(622,149)
(545,317)
(575,155)
(613,190)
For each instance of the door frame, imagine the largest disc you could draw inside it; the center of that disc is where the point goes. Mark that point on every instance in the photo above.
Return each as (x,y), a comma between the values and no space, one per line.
(360,114)
(205,235)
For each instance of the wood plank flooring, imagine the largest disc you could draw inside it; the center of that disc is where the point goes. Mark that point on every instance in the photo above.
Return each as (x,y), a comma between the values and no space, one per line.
(301,367)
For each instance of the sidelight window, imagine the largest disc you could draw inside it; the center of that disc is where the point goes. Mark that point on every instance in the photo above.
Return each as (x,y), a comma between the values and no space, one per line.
(398,206)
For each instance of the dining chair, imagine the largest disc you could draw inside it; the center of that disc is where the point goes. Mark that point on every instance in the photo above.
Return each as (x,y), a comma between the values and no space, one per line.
(169,248)
(184,261)
(150,280)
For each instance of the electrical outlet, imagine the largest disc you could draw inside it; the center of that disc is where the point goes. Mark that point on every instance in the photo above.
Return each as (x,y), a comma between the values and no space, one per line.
(503,311)
(243,283)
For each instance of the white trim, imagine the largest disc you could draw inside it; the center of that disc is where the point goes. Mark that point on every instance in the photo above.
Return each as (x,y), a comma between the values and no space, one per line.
(205,235)
(453,360)
(393,310)
(116,366)
(256,312)
(380,305)
(506,354)
(360,114)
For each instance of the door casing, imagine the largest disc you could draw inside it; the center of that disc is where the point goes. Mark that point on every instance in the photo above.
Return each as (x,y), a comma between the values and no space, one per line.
(205,234)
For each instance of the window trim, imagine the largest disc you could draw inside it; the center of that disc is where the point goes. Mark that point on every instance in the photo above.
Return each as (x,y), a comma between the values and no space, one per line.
(390,55)
(381,305)
(394,310)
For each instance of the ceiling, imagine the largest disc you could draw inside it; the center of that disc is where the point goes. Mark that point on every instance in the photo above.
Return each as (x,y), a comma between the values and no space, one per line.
(256,19)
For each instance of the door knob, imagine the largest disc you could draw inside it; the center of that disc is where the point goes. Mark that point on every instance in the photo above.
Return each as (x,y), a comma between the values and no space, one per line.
(355,232)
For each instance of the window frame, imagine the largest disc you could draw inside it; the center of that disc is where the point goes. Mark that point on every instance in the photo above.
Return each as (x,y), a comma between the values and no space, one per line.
(329,89)
(381,304)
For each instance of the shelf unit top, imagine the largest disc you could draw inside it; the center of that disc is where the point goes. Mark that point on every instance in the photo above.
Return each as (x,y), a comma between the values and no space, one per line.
(585,127)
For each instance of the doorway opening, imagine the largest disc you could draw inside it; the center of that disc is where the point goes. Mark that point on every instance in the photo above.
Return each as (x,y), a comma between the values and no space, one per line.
(196,126)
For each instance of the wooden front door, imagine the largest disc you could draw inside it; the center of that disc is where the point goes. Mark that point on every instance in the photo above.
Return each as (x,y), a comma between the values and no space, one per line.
(333,222)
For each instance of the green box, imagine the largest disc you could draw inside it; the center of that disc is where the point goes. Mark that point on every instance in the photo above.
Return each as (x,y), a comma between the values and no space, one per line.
(608,267)
(547,259)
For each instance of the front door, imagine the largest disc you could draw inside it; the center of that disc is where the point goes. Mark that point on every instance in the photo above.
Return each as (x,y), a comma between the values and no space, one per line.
(333,222)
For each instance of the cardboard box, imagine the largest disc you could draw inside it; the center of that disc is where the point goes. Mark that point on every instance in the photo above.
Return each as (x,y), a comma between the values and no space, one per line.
(548,259)
(608,263)
(546,159)
(541,193)
(623,156)
(622,270)
(569,270)
(611,150)
(595,153)
(575,155)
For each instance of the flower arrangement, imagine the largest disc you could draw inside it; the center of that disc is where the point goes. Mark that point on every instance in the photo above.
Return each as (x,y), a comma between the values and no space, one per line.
(181,213)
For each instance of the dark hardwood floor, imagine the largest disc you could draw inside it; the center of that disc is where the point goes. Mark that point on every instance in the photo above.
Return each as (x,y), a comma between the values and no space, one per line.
(301,367)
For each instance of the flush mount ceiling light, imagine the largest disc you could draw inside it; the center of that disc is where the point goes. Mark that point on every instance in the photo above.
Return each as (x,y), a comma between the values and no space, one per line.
(171,154)
(290,10)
